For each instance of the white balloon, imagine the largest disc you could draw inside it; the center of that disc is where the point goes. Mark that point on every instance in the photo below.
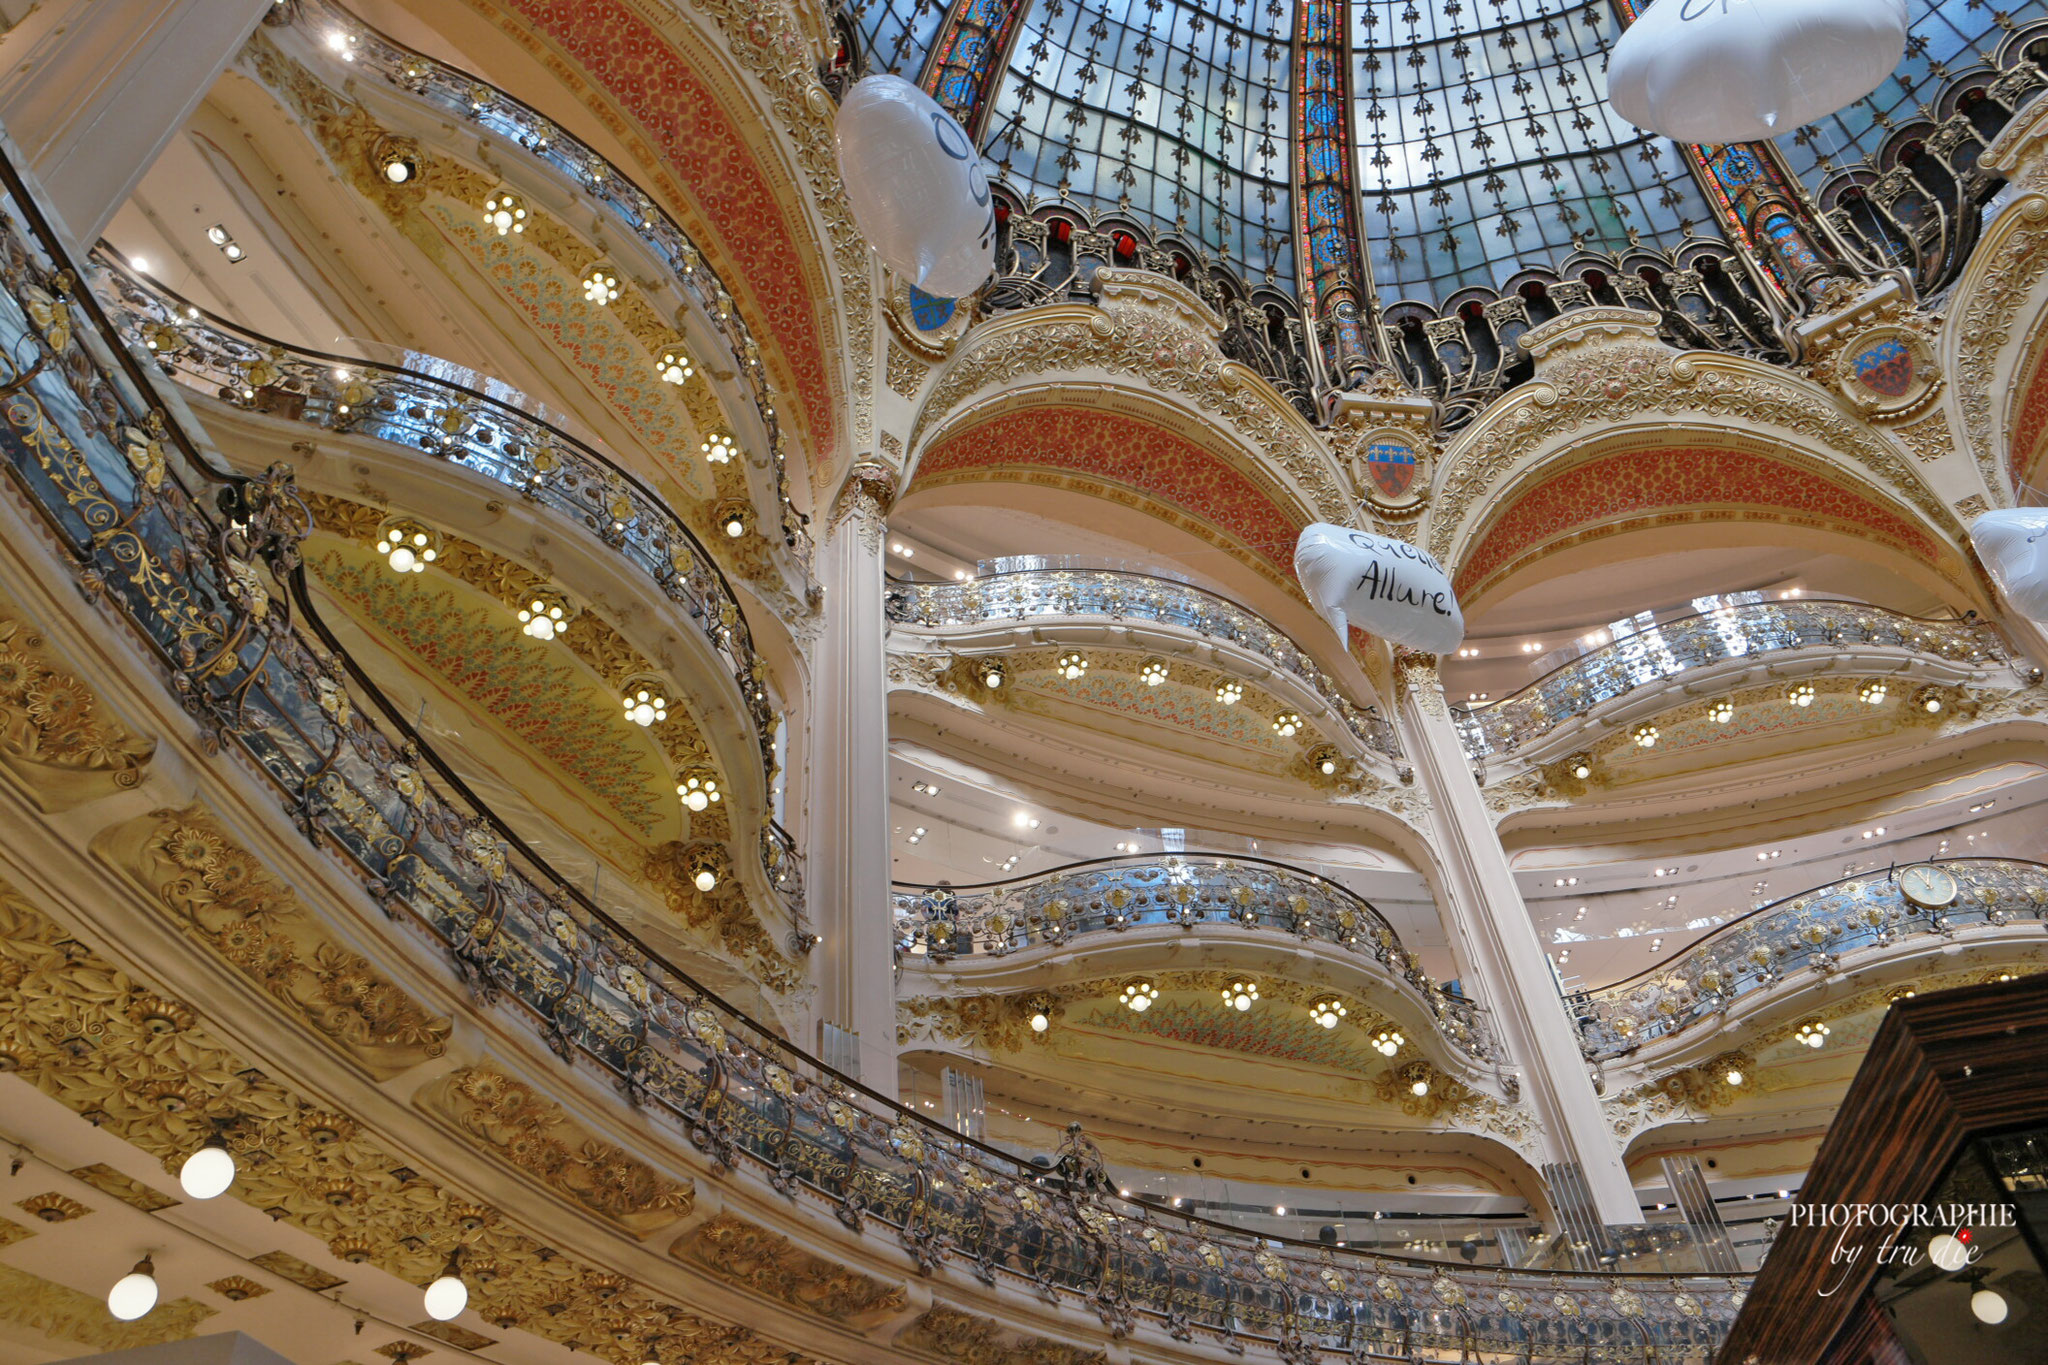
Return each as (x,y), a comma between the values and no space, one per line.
(915,183)
(2013,543)
(1386,586)
(1720,71)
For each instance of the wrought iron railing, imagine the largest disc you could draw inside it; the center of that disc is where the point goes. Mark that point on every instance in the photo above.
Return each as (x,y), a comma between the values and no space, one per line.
(1649,656)
(1118,595)
(1116,895)
(461,96)
(453,422)
(204,566)
(1817,931)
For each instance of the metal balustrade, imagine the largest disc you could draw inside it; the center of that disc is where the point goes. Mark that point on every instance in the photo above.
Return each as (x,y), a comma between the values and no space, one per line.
(1115,895)
(204,566)
(1119,595)
(459,95)
(1820,931)
(453,422)
(1651,656)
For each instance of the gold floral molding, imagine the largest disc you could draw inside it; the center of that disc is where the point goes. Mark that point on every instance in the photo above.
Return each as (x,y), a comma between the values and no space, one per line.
(127,1189)
(53,741)
(972,1340)
(95,1039)
(223,896)
(2001,278)
(531,1132)
(724,911)
(906,371)
(769,1264)
(29,1301)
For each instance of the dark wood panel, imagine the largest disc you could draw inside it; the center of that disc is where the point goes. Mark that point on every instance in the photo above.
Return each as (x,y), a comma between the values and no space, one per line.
(1942,1068)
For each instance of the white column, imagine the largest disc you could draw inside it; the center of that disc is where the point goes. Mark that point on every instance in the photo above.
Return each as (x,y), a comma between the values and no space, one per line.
(847,808)
(1502,951)
(92,90)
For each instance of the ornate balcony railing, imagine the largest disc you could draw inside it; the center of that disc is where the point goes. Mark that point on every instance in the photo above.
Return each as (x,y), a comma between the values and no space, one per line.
(1117,895)
(453,422)
(1655,653)
(1118,595)
(204,566)
(463,97)
(1819,931)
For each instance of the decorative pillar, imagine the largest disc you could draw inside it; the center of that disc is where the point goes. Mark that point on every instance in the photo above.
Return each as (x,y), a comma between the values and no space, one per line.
(92,90)
(847,810)
(1501,950)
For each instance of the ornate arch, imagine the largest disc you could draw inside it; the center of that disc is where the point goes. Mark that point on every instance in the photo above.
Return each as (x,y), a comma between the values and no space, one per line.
(1658,485)
(662,86)
(1106,446)
(1999,304)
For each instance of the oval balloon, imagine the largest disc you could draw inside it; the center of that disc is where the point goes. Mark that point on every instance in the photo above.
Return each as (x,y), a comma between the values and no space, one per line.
(916,187)
(1720,71)
(2013,543)
(1386,586)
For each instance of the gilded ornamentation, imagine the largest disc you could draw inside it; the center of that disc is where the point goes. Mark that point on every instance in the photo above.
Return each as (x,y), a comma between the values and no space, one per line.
(770,1264)
(727,913)
(52,1207)
(125,1188)
(906,371)
(223,895)
(531,1132)
(39,1305)
(53,739)
(238,1288)
(1930,438)
(968,1339)
(1878,355)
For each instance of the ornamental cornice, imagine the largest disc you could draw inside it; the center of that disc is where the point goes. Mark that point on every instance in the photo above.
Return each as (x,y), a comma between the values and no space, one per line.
(1154,342)
(1619,384)
(2004,274)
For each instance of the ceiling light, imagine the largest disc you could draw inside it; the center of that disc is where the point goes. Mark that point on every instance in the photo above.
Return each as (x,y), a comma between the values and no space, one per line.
(1565,956)
(1387,1042)
(1229,692)
(1581,766)
(1581,913)
(1872,693)
(1645,736)
(1327,1012)
(134,1294)
(1813,1033)
(504,212)
(1138,995)
(1239,995)
(209,1171)
(1721,712)
(1929,700)
(674,367)
(407,546)
(1735,1076)
(1286,724)
(992,674)
(541,618)
(645,706)
(718,448)
(447,1296)
(140,263)
(1988,1307)
(1947,1252)
(1152,672)
(600,286)
(1419,1089)
(698,790)
(217,234)
(704,870)
(1072,664)
(960,575)
(1801,694)
(732,518)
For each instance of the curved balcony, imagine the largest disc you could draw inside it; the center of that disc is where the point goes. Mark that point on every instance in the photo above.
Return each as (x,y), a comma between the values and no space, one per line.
(1119,595)
(629,210)
(1118,895)
(1831,931)
(1683,648)
(519,451)
(204,567)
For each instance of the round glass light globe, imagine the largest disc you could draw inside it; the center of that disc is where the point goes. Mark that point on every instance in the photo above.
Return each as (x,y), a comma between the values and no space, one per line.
(403,559)
(1946,1252)
(1989,1307)
(133,1295)
(446,1298)
(1419,1088)
(207,1173)
(1039,1023)
(706,880)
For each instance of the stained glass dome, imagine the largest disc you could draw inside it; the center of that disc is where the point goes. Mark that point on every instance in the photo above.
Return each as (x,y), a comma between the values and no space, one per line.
(1479,136)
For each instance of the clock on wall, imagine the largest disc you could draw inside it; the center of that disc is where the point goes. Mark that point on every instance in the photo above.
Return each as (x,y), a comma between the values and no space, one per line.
(1928,886)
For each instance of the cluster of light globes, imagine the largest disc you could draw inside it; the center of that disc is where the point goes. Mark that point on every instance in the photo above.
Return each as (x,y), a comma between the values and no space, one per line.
(717,448)
(674,367)
(698,790)
(1645,736)
(407,549)
(1239,995)
(541,619)
(1814,1033)
(600,286)
(505,213)
(1072,664)
(645,707)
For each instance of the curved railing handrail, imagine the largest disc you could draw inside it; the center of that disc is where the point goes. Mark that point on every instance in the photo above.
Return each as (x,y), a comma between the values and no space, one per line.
(1074,592)
(1119,894)
(1813,928)
(466,97)
(1700,640)
(128,495)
